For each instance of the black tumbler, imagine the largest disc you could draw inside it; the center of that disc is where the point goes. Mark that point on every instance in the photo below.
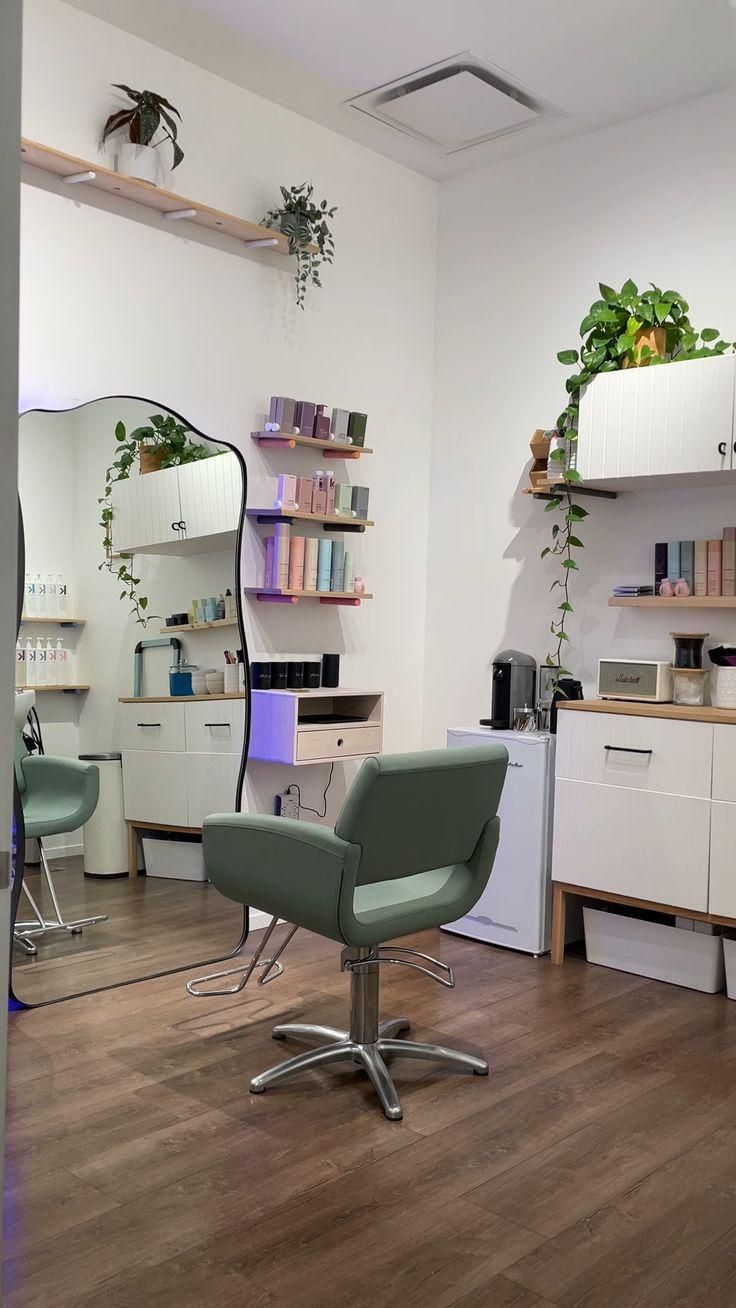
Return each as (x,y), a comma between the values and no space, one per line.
(260,676)
(295,675)
(278,676)
(331,670)
(311,675)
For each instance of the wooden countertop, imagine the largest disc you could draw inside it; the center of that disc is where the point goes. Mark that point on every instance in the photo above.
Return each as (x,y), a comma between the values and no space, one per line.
(682,712)
(178,699)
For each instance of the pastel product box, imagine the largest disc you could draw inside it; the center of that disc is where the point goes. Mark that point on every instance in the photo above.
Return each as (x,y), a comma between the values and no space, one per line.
(281,542)
(337,566)
(268,576)
(343,499)
(304,417)
(304,494)
(321,423)
(361,495)
(286,492)
(319,500)
(700,567)
(339,424)
(296,563)
(687,562)
(324,565)
(728,562)
(715,558)
(310,563)
(673,560)
(357,423)
(348,578)
(281,411)
(331,497)
(660,565)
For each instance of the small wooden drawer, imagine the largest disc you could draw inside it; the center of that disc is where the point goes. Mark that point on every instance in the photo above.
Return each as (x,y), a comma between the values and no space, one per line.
(153,726)
(337,742)
(638,753)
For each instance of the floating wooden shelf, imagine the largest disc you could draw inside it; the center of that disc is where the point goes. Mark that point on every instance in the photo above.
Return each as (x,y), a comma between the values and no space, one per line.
(331,523)
(170,205)
(330,449)
(672,602)
(548,490)
(64,690)
(349,598)
(178,699)
(55,622)
(201,626)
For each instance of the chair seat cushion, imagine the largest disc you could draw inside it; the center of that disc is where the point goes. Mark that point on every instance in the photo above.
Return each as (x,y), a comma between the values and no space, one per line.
(385,909)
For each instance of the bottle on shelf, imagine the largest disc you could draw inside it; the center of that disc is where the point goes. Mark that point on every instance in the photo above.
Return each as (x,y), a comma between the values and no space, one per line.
(52,607)
(62,596)
(51,664)
(31,673)
(42,603)
(61,664)
(41,673)
(20,664)
(31,599)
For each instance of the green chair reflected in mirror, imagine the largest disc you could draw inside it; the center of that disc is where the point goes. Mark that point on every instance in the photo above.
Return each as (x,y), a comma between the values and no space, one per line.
(57,795)
(412,849)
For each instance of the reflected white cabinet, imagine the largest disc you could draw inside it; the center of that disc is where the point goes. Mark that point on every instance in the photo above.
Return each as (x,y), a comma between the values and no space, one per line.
(184,510)
(672,421)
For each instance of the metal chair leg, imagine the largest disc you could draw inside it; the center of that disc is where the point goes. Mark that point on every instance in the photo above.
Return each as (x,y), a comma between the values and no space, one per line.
(437,1054)
(245,970)
(26,930)
(372,1060)
(305,1031)
(302,1063)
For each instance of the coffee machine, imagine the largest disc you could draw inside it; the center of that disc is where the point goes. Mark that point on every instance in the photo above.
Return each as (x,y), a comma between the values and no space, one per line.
(514,685)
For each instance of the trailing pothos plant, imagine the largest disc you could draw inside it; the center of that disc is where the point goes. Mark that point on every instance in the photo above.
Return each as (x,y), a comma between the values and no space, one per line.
(304,224)
(626,328)
(170,439)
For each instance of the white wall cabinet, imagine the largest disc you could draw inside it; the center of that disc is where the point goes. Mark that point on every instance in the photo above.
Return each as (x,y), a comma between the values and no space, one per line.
(192,509)
(177,772)
(645,807)
(670,422)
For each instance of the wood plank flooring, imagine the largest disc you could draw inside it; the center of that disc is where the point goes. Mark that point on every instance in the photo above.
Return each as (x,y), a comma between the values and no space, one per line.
(153,925)
(594,1168)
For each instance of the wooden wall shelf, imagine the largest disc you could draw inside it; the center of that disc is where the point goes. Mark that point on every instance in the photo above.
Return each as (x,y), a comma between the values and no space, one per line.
(288,441)
(348,598)
(672,602)
(53,622)
(201,626)
(548,490)
(172,207)
(333,523)
(61,690)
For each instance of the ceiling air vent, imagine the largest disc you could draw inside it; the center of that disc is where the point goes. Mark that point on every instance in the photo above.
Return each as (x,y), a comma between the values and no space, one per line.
(454,105)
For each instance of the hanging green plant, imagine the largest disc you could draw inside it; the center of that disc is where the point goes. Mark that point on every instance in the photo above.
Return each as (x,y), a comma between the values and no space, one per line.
(304,224)
(163,443)
(623,329)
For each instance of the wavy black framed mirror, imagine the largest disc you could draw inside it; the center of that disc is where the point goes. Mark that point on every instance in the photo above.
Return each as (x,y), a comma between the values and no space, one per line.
(132,704)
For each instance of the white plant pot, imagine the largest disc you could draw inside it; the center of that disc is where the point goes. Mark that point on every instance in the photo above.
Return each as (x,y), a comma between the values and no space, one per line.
(141,161)
(723,687)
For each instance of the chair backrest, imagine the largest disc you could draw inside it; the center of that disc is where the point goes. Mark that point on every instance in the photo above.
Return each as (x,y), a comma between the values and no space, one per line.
(410,813)
(20,753)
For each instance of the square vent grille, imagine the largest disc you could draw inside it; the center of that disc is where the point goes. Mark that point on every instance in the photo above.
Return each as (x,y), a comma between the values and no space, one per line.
(454,105)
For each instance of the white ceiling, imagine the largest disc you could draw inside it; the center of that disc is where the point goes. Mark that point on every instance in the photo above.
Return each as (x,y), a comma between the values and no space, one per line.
(596,62)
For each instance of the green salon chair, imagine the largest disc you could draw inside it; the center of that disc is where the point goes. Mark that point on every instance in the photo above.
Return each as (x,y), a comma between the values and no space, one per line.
(57,795)
(413,848)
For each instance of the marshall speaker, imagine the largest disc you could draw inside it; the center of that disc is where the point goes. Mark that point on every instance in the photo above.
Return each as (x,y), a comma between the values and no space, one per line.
(639,679)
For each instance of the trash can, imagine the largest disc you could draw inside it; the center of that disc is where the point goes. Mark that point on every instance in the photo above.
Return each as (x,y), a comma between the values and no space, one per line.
(106,835)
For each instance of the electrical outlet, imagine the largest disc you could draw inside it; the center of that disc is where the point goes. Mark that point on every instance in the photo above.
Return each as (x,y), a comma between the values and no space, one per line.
(286,805)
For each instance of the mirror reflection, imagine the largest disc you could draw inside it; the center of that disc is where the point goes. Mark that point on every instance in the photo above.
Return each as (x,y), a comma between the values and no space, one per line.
(131,721)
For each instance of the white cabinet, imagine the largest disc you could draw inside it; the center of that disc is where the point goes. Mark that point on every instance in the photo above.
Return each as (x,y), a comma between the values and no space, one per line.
(722,899)
(152,726)
(642,753)
(672,421)
(195,508)
(181,761)
(155,787)
(298,727)
(211,783)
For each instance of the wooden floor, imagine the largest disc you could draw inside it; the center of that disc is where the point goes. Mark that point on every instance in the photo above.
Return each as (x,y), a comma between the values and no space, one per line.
(153,925)
(594,1168)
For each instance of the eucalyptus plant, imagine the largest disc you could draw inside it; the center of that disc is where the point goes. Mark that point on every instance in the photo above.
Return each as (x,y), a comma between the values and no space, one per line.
(171,439)
(305,226)
(150,112)
(613,332)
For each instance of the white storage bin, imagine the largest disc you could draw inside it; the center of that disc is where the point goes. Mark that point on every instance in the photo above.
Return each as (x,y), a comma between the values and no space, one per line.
(179,860)
(729,958)
(665,953)
(723,687)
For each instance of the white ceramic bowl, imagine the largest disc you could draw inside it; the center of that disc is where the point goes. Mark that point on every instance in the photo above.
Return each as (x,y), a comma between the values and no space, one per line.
(215,683)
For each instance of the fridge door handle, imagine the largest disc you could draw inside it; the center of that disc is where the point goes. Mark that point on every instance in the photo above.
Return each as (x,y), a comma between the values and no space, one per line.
(516,765)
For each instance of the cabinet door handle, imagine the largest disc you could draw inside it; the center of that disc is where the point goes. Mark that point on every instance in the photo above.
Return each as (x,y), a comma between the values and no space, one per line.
(181,525)
(148,724)
(627,749)
(218,724)
(722,447)
(176,526)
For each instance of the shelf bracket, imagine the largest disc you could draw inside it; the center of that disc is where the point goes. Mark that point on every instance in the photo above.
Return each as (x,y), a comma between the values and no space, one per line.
(267,518)
(347,525)
(348,603)
(72,179)
(174,215)
(264,598)
(576,490)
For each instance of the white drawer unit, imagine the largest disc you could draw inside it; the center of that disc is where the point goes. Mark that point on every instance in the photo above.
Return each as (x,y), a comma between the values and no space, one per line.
(315,726)
(153,725)
(211,781)
(641,753)
(635,843)
(155,787)
(215,727)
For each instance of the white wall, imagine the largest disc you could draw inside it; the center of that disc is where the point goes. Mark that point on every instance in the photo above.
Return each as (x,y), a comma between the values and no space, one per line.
(652,199)
(115,301)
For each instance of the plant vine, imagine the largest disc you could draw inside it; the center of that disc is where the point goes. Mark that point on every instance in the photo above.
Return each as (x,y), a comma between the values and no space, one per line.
(625,328)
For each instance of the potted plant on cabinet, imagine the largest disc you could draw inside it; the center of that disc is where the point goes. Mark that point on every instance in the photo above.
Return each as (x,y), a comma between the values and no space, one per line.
(304,224)
(163,443)
(139,156)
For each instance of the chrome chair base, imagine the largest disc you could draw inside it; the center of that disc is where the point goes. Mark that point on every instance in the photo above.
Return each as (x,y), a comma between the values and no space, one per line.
(368,1043)
(24,932)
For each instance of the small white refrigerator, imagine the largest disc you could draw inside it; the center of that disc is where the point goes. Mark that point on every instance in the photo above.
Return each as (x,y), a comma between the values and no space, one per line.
(515,907)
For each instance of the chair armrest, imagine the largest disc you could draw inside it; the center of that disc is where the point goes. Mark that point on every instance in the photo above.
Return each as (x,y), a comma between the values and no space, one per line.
(294,869)
(66,773)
